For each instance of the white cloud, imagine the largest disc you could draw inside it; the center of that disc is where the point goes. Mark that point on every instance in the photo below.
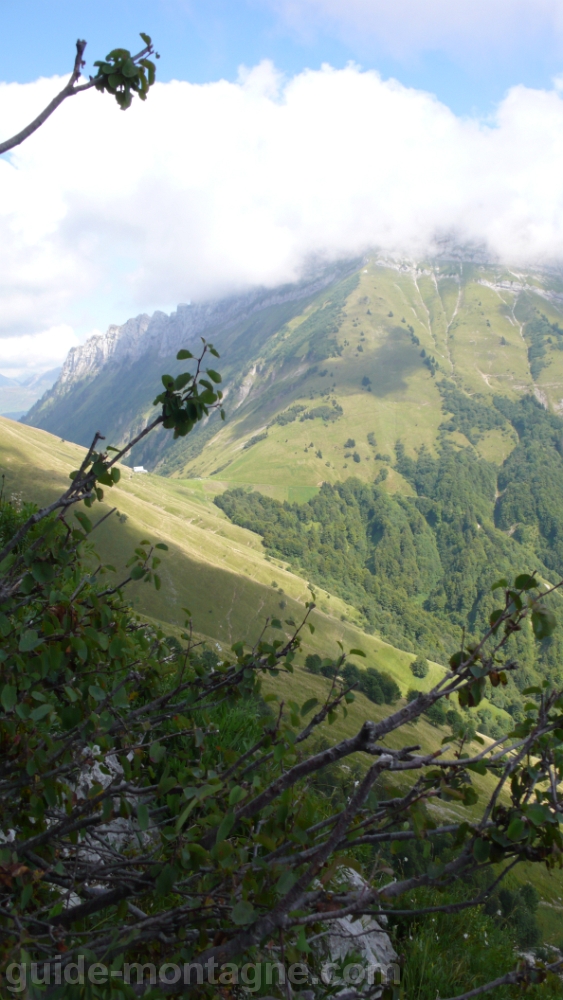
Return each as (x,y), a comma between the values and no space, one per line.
(209,188)
(31,353)
(406,27)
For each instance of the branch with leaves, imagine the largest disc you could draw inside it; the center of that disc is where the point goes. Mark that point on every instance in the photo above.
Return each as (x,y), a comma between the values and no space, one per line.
(121,74)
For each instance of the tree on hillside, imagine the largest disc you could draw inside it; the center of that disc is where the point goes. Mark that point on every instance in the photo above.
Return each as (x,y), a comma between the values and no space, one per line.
(159,814)
(120,74)
(419,666)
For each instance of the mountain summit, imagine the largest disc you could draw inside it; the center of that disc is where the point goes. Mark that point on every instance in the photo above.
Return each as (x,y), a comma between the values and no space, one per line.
(360,348)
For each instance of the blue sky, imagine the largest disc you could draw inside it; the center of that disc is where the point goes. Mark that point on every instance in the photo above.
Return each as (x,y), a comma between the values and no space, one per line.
(204,40)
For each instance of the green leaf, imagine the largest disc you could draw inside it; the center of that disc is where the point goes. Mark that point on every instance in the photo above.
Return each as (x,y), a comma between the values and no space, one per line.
(236,794)
(477,690)
(116,647)
(184,815)
(161,545)
(516,829)
(537,814)
(357,652)
(309,706)
(83,519)
(42,571)
(29,640)
(183,355)
(525,582)
(495,617)
(167,381)
(478,766)
(8,697)
(98,694)
(165,881)
(503,582)
(40,712)
(481,850)
(275,623)
(463,697)
(182,380)
(143,816)
(543,623)
(214,376)
(225,827)
(457,659)
(157,752)
(301,943)
(146,38)
(243,912)
(285,882)
(129,69)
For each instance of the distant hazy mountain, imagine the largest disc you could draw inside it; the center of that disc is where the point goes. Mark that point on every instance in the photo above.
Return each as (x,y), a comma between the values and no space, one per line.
(17,395)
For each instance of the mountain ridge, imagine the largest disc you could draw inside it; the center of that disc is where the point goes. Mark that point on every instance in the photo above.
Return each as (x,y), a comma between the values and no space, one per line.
(164,334)
(372,340)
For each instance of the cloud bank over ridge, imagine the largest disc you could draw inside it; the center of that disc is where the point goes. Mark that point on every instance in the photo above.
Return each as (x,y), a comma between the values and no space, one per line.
(211,188)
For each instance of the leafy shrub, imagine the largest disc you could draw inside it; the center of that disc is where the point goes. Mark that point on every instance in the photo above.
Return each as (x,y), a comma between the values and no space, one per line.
(419,667)
(313,663)
(13,514)
(516,909)
(436,713)
(379,686)
(325,412)
(352,674)
(288,416)
(254,440)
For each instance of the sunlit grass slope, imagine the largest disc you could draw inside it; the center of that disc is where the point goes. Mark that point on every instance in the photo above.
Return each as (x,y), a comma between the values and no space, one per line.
(216,569)
(470,320)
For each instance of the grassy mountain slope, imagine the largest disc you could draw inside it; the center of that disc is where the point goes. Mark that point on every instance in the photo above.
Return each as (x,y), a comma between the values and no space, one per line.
(476,330)
(218,570)
(355,346)
(212,566)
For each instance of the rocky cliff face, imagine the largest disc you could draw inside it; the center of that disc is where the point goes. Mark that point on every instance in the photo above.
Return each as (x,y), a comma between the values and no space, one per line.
(165,334)
(111,380)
